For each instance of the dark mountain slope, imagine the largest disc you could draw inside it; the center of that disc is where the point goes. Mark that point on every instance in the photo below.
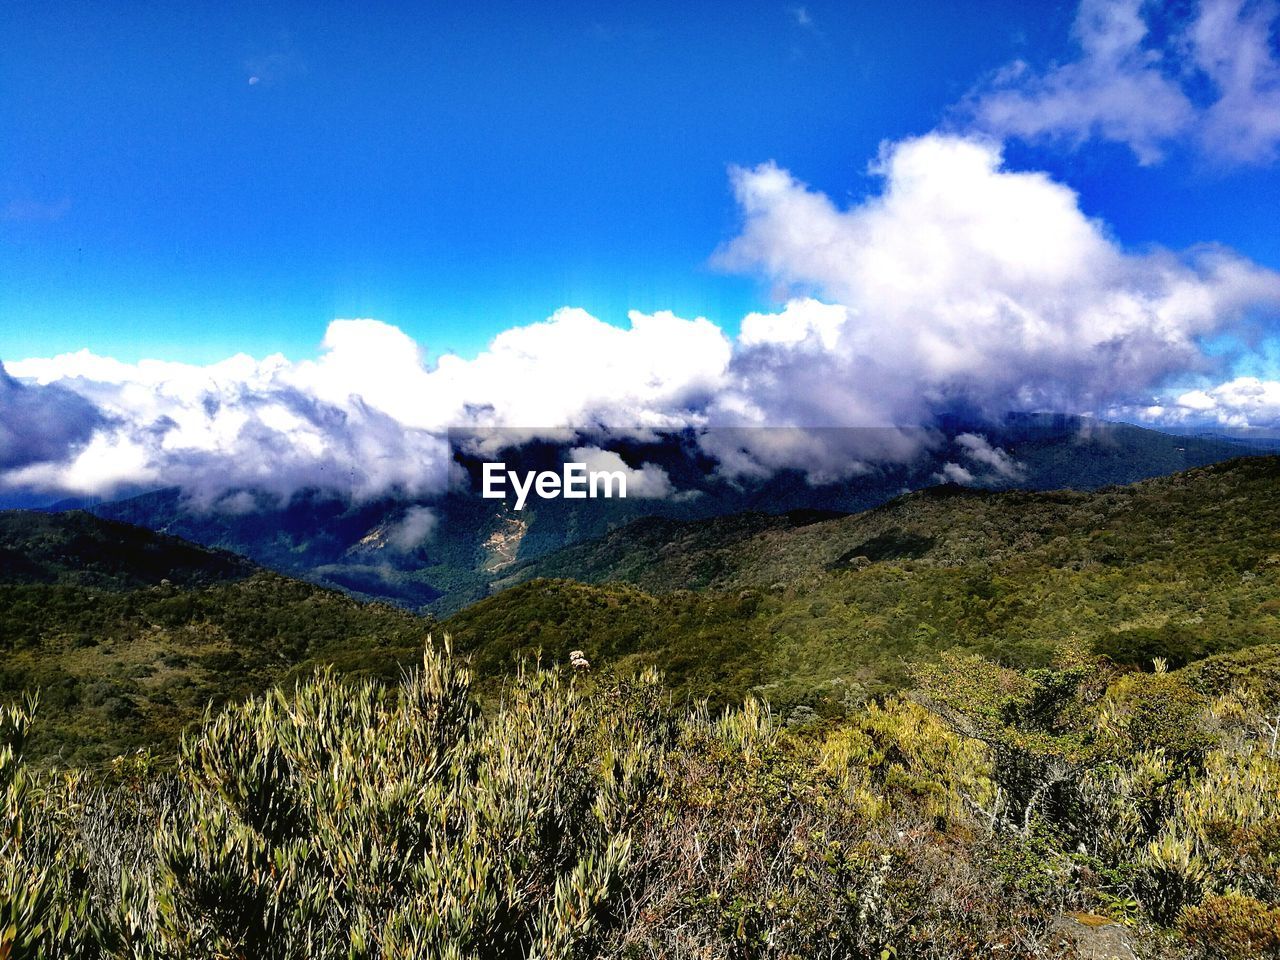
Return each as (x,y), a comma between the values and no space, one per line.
(128,634)
(81,549)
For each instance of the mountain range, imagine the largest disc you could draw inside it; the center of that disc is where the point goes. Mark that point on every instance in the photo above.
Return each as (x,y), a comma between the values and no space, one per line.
(471,546)
(128,634)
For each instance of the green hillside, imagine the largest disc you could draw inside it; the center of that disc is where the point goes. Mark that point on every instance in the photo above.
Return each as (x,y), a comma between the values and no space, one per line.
(1016,723)
(325,537)
(824,614)
(128,634)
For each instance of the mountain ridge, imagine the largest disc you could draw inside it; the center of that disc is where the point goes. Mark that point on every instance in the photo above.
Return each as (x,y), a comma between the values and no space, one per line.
(129,634)
(1180,568)
(477,545)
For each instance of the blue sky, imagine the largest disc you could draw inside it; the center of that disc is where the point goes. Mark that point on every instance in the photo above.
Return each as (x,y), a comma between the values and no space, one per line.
(456,169)
(278,244)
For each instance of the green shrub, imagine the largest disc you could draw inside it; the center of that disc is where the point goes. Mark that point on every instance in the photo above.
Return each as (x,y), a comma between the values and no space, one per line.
(580,816)
(1234,926)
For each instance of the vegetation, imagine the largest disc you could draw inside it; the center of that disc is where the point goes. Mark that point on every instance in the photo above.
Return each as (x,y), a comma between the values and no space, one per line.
(962,725)
(814,613)
(356,545)
(78,549)
(824,615)
(588,817)
(129,634)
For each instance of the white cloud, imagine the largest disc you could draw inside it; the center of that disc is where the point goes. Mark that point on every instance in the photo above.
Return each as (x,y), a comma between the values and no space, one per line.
(1243,402)
(1232,46)
(416,527)
(571,370)
(649,482)
(237,423)
(1213,80)
(961,284)
(954,473)
(998,462)
(575,371)
(987,465)
(806,323)
(1117,90)
(371,414)
(961,287)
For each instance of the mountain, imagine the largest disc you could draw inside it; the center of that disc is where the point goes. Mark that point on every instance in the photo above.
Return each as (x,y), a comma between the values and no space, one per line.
(944,526)
(984,805)
(79,549)
(823,614)
(465,546)
(128,634)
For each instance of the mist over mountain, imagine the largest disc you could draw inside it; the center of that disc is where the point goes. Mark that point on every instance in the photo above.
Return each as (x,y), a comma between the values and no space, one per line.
(440,553)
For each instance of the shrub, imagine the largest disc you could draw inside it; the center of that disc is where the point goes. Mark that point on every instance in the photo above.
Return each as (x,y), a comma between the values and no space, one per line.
(1234,926)
(580,816)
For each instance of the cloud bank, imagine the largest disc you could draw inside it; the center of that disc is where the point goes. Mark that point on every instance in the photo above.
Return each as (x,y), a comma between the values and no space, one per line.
(1242,402)
(960,286)
(369,416)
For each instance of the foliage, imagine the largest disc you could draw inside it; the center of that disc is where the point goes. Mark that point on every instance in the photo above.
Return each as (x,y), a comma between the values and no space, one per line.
(128,634)
(586,816)
(1022,707)
(829,613)
(1235,926)
(1181,568)
(360,819)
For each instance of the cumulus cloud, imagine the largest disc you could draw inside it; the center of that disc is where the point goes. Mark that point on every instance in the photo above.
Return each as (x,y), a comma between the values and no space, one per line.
(1213,79)
(962,284)
(575,371)
(369,416)
(960,287)
(823,454)
(987,464)
(241,423)
(1242,402)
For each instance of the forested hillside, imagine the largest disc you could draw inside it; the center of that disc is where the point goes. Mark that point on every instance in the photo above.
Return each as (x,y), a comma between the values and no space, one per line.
(128,635)
(821,615)
(377,548)
(961,724)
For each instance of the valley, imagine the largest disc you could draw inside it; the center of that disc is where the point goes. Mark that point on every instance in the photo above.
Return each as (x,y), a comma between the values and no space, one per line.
(128,634)
(378,549)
